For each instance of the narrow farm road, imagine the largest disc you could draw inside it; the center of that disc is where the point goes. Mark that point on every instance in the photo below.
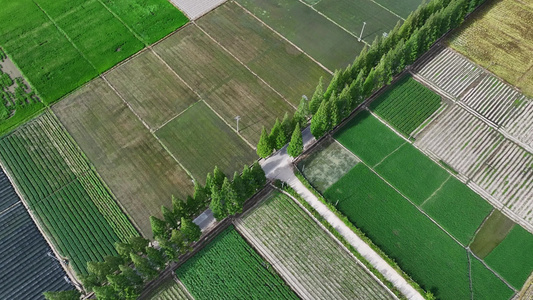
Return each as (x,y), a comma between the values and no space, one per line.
(279,166)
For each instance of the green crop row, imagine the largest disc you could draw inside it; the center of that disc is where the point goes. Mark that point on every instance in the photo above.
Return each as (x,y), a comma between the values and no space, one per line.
(406,105)
(228,268)
(77,211)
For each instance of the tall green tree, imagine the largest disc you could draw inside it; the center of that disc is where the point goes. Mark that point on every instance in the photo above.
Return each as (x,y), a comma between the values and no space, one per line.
(287,126)
(248,180)
(156,257)
(303,107)
(209,184)
(123,249)
(218,177)
(132,276)
(144,267)
(277,136)
(168,216)
(159,227)
(296,146)
(320,123)
(123,287)
(179,209)
(369,85)
(63,295)
(179,241)
(317,98)
(239,187)
(191,232)
(199,195)
(233,205)
(264,147)
(105,293)
(217,206)
(259,176)
(334,84)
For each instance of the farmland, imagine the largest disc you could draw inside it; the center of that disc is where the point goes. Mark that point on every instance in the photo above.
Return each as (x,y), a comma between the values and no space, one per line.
(89,38)
(170,290)
(308,30)
(61,187)
(27,271)
(135,166)
(200,140)
(406,105)
(419,246)
(327,164)
(310,260)
(245,274)
(498,37)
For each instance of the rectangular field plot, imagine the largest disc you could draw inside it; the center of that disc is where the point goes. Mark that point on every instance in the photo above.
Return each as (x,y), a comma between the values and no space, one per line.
(430,256)
(196,8)
(368,138)
(222,82)
(491,233)
(60,45)
(406,105)
(402,8)
(311,261)
(412,173)
(245,274)
(276,61)
(498,37)
(27,270)
(457,209)
(154,92)
(78,213)
(170,290)
(513,257)
(139,171)
(351,14)
(307,29)
(200,140)
(327,164)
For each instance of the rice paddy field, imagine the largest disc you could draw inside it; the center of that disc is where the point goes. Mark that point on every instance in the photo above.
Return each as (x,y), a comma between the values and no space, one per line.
(27,271)
(228,268)
(60,45)
(314,264)
(406,105)
(498,37)
(73,206)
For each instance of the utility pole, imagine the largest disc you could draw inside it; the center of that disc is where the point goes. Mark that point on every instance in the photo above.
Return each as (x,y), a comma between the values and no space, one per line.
(361,35)
(237,118)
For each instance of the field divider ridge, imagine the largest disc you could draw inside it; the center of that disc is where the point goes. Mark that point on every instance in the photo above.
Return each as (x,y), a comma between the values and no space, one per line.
(492,270)
(385,8)
(137,36)
(436,191)
(284,38)
(388,155)
(244,65)
(10,207)
(235,130)
(337,24)
(174,117)
(148,127)
(67,37)
(183,287)
(69,271)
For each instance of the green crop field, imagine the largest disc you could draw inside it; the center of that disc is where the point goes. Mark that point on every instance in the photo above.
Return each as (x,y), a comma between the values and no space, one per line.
(458,209)
(313,258)
(406,105)
(327,164)
(154,92)
(412,173)
(135,166)
(200,140)
(513,257)
(59,45)
(222,82)
(401,8)
(169,290)
(350,14)
(420,247)
(308,30)
(78,213)
(378,140)
(275,60)
(491,234)
(228,268)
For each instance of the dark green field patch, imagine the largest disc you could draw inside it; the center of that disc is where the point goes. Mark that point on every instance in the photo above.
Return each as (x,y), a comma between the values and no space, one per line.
(513,257)
(368,138)
(421,248)
(313,33)
(412,173)
(351,14)
(200,140)
(491,233)
(406,105)
(458,209)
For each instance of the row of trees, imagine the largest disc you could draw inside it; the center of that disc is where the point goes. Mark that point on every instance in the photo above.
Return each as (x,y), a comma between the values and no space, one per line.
(374,68)
(284,132)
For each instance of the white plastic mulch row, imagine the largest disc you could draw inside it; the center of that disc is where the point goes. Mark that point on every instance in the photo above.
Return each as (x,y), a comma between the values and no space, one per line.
(508,177)
(449,71)
(196,8)
(459,139)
